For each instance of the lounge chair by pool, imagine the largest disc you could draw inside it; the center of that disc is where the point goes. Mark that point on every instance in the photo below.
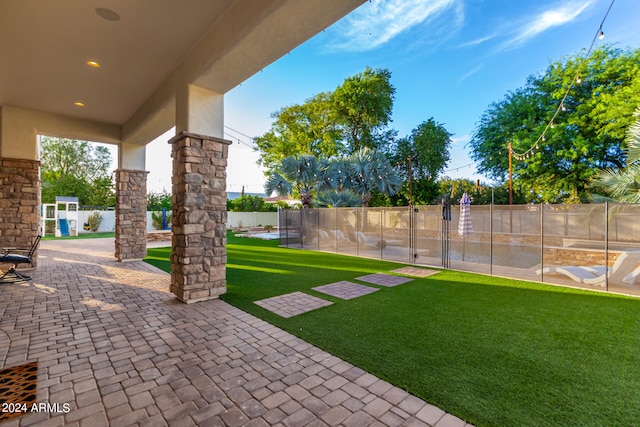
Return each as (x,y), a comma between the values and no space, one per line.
(623,271)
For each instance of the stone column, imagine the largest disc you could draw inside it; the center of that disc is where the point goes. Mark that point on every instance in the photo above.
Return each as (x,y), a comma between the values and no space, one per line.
(131,214)
(19,202)
(199,200)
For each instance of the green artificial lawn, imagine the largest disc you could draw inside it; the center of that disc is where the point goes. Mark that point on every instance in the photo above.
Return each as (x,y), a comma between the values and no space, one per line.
(490,350)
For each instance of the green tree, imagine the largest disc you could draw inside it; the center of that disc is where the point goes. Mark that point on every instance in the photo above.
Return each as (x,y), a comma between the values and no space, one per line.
(480,194)
(560,156)
(623,185)
(76,168)
(299,175)
(158,200)
(356,178)
(428,148)
(334,123)
(363,106)
(371,171)
(308,128)
(338,199)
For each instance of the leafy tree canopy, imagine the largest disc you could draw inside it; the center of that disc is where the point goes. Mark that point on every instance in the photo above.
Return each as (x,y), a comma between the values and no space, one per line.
(428,148)
(330,124)
(158,200)
(586,136)
(78,169)
(363,106)
(622,185)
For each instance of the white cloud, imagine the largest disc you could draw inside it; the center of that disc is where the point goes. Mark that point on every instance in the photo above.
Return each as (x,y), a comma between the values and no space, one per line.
(470,73)
(460,140)
(532,26)
(377,22)
(478,41)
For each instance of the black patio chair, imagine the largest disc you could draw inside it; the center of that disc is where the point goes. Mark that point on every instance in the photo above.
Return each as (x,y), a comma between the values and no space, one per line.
(15,256)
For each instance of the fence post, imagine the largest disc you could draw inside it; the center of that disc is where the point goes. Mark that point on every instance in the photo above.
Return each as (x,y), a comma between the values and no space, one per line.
(491,235)
(541,242)
(357,232)
(413,233)
(606,245)
(381,233)
(446,221)
(286,226)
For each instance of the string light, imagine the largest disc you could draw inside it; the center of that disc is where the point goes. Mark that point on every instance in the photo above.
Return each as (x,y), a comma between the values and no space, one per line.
(562,107)
(459,167)
(250,145)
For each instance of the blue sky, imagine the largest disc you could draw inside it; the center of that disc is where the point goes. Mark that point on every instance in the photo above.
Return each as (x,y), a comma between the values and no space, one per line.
(449,60)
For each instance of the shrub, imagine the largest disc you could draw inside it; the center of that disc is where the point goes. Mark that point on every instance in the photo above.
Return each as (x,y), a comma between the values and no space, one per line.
(248,203)
(94,220)
(156,220)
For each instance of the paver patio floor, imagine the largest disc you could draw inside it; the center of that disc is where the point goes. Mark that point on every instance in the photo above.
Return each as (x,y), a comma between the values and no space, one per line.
(115,345)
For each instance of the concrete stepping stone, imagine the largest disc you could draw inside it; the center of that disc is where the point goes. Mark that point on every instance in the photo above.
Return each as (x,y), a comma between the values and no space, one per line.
(384,279)
(414,271)
(292,304)
(345,290)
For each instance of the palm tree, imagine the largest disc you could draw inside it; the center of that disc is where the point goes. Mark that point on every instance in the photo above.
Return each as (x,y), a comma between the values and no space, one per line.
(360,174)
(623,185)
(369,171)
(300,173)
(338,199)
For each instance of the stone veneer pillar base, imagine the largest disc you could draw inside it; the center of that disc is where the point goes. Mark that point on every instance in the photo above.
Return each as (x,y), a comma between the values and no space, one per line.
(19,203)
(199,199)
(131,214)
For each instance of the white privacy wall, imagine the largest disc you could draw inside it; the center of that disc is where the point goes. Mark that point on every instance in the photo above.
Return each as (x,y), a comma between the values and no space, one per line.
(235,219)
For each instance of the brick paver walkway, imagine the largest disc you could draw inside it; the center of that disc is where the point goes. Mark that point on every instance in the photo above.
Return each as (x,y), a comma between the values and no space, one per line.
(114,344)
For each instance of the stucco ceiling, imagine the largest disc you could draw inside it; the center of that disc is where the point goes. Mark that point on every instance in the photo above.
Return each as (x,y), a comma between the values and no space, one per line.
(151,49)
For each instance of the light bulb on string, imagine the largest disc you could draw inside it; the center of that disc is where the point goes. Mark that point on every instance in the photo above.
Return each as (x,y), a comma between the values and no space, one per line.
(601,35)
(578,79)
(562,107)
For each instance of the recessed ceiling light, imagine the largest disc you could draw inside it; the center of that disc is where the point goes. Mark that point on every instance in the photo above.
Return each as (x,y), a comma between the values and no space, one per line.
(107,14)
(93,64)
(78,104)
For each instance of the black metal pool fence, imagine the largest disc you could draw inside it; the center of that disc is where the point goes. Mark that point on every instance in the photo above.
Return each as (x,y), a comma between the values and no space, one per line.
(532,242)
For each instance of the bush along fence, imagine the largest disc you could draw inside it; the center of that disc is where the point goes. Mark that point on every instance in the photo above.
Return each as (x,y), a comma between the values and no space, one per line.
(589,246)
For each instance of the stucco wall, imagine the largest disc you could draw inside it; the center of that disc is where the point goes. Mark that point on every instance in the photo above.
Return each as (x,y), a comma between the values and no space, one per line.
(247,219)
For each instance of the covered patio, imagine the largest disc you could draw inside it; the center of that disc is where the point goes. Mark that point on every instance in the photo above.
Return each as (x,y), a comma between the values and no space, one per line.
(118,348)
(124,75)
